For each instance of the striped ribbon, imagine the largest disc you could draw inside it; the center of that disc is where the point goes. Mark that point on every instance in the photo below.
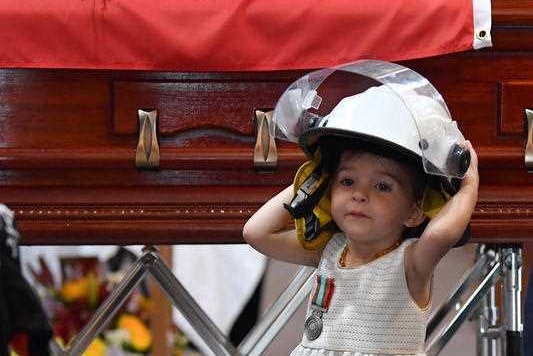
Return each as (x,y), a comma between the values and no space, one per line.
(324,288)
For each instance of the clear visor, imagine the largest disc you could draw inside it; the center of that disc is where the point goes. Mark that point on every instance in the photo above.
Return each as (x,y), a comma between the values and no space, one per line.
(306,104)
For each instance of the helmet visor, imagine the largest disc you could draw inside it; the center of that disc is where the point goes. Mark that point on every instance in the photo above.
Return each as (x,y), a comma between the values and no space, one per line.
(376,99)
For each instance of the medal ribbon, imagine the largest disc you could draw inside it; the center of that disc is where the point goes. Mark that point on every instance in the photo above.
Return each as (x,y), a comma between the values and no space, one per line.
(324,288)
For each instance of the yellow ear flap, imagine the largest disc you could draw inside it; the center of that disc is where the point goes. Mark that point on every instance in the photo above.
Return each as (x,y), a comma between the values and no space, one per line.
(316,229)
(314,224)
(435,197)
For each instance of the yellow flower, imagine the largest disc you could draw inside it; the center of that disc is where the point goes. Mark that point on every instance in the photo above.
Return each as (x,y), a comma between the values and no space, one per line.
(82,288)
(96,348)
(140,336)
(74,290)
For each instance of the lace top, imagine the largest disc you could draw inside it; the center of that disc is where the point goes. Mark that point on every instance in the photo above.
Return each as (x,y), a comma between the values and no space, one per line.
(370,312)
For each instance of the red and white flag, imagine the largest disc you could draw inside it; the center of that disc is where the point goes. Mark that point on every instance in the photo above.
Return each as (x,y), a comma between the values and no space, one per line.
(234,35)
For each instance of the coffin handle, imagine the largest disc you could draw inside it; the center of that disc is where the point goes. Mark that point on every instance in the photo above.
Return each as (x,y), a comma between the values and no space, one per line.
(265,151)
(147,153)
(528,154)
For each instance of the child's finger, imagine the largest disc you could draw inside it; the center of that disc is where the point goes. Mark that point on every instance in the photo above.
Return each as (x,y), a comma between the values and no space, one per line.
(471,176)
(473,155)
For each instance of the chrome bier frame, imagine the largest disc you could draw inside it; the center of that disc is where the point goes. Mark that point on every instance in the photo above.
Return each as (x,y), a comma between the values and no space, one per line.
(474,296)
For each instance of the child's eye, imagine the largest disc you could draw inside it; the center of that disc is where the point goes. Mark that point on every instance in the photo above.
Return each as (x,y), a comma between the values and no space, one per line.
(347,182)
(384,187)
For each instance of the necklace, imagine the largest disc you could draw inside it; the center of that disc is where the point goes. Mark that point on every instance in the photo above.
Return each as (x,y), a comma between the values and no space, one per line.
(342,259)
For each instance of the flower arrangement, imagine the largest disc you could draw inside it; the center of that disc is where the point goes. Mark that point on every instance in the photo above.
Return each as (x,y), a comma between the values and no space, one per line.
(86,283)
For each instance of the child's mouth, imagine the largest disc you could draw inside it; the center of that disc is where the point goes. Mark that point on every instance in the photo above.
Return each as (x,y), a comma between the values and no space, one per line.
(357,214)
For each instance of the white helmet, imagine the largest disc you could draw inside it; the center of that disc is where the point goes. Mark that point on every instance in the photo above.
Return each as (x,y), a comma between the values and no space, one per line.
(389,106)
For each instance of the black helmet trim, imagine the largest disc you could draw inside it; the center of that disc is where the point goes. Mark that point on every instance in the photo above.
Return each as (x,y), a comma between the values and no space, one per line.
(373,144)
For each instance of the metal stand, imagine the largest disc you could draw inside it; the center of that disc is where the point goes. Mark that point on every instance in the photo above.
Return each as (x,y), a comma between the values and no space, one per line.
(491,264)
(150,262)
(512,281)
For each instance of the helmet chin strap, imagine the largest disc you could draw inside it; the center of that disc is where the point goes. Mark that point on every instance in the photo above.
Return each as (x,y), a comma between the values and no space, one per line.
(310,206)
(308,194)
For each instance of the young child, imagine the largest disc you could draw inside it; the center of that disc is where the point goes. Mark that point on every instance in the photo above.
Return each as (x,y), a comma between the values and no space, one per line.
(373,283)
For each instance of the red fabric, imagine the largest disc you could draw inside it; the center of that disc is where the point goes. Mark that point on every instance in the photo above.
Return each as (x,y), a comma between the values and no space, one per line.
(19,344)
(227,35)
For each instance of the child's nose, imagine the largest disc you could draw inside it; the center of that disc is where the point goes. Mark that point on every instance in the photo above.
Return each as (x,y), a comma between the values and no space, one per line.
(359,194)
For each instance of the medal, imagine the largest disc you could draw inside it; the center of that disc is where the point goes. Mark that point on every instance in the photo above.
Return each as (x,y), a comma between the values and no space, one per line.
(324,287)
(313,325)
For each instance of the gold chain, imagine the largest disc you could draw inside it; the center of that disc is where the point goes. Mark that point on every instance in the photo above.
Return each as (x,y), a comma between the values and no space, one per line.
(342,260)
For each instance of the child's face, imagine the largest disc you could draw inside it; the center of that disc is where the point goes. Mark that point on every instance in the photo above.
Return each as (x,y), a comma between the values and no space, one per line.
(372,197)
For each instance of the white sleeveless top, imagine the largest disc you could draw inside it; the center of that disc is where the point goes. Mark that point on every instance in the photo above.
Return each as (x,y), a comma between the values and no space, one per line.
(370,312)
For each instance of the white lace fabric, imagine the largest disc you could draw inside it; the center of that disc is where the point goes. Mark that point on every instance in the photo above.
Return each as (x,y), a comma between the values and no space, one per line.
(371,311)
(301,350)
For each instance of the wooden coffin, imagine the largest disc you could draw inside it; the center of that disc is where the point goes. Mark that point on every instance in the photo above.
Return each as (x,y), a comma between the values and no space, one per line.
(69,140)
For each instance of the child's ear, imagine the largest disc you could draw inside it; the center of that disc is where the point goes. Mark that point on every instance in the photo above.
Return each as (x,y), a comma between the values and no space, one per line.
(416,218)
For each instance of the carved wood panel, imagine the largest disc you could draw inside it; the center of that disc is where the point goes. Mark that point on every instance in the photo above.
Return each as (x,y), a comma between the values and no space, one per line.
(68,139)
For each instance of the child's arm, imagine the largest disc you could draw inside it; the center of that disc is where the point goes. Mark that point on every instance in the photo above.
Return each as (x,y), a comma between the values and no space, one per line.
(443,231)
(271,231)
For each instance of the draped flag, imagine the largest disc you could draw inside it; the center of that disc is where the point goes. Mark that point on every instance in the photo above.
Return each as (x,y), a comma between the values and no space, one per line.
(234,35)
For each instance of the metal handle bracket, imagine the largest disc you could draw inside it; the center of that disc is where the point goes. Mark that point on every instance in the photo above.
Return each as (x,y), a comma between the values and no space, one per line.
(528,154)
(265,151)
(147,153)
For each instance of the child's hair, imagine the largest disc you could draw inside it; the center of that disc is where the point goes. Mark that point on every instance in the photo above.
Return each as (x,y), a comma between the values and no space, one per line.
(332,147)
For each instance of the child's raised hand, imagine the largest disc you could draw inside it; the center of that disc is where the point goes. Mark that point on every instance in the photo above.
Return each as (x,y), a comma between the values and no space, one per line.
(442,232)
(470,182)
(271,231)
(447,227)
